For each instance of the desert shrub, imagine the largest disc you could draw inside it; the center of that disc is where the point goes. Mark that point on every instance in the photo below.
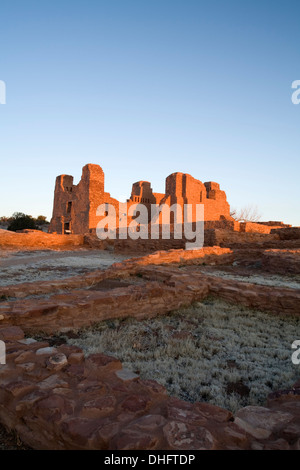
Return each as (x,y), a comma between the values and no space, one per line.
(20,221)
(228,355)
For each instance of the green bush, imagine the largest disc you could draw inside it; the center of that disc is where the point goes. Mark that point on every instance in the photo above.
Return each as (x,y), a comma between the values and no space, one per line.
(20,221)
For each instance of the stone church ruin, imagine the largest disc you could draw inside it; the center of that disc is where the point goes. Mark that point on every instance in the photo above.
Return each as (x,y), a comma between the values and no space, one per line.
(75,206)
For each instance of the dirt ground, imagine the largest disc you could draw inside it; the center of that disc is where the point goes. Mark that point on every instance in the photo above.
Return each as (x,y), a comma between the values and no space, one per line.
(42,265)
(254,276)
(45,265)
(10,441)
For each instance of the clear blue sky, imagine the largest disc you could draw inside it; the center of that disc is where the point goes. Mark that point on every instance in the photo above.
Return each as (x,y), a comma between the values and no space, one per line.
(146,88)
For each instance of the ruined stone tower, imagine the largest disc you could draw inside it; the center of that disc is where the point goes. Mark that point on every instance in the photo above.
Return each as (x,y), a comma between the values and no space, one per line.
(75,206)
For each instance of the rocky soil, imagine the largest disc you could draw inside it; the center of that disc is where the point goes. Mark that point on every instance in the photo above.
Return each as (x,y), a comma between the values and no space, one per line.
(68,401)
(43,265)
(11,441)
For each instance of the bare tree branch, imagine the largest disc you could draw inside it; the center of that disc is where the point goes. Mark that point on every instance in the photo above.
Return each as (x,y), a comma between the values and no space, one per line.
(246,214)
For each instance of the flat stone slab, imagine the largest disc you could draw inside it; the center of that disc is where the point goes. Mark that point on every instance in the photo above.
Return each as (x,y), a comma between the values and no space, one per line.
(126,374)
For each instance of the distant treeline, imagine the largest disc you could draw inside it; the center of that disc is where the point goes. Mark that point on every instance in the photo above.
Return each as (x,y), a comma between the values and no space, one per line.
(20,221)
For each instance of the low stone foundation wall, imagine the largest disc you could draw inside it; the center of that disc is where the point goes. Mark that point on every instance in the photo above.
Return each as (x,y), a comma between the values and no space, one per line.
(147,246)
(232,236)
(277,300)
(251,227)
(208,255)
(38,240)
(227,238)
(163,288)
(289,233)
(281,261)
(56,399)
(82,308)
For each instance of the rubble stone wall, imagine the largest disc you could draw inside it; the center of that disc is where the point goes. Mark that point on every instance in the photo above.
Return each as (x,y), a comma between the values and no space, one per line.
(38,239)
(56,398)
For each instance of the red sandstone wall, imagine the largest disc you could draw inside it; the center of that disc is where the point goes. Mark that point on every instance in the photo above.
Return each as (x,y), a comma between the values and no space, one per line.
(75,207)
(142,193)
(214,209)
(56,399)
(63,193)
(252,227)
(38,239)
(281,261)
(223,223)
(94,181)
(77,204)
(147,246)
(159,197)
(291,233)
(221,237)
(184,189)
(80,213)
(71,204)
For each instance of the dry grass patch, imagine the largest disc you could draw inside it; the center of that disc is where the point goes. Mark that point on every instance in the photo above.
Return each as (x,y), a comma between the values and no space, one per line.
(228,355)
